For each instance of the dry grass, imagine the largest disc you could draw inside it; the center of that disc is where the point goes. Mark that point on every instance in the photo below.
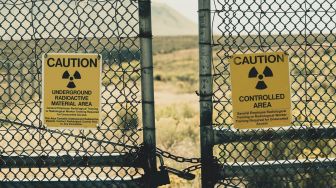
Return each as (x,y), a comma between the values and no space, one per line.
(177,72)
(177,108)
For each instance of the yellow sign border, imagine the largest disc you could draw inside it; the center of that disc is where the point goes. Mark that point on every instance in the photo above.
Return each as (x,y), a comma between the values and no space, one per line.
(44,55)
(288,110)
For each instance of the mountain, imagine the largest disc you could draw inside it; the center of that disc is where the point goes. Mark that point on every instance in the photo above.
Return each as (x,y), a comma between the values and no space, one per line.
(169,22)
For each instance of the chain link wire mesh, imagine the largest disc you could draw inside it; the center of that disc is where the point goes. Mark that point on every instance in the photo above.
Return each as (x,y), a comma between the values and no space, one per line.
(28,29)
(302,155)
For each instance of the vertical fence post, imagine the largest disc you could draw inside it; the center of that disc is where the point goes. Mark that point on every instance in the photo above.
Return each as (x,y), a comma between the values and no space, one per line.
(206,90)
(147,90)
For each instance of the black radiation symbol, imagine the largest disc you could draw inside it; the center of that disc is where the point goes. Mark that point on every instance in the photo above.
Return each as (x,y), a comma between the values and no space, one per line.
(261,85)
(71,84)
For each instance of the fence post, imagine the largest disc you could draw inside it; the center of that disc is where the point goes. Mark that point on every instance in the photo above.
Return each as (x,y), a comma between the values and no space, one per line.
(206,90)
(147,91)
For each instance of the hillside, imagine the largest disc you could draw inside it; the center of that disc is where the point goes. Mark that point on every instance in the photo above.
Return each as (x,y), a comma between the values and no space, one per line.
(168,22)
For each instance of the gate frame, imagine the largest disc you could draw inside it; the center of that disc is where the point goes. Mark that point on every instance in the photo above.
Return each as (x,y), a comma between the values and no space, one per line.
(211,171)
(147,92)
(148,149)
(206,93)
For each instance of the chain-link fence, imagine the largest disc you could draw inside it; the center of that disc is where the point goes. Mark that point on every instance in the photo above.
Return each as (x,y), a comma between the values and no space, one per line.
(29,152)
(302,155)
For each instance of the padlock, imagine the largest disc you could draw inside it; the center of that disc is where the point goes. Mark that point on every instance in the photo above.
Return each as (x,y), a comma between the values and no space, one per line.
(161,177)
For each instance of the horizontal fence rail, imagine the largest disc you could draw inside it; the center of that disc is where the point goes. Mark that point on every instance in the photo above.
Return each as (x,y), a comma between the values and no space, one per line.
(59,160)
(74,184)
(279,168)
(293,133)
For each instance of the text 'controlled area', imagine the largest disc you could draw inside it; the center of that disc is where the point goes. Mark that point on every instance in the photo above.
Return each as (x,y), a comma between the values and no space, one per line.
(262,101)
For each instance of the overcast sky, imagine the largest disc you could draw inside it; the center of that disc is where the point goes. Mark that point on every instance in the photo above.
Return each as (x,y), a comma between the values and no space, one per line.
(243,17)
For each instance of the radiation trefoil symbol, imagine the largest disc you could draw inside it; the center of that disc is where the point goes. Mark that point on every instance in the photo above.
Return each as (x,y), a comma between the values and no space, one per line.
(71,84)
(261,85)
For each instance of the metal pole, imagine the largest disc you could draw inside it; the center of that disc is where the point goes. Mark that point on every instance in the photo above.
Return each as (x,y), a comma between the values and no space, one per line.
(206,90)
(147,91)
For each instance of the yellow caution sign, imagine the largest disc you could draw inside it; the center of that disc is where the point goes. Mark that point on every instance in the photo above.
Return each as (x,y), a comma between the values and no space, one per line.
(71,90)
(260,90)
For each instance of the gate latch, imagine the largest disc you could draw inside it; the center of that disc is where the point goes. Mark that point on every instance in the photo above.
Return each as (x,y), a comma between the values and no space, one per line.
(181,174)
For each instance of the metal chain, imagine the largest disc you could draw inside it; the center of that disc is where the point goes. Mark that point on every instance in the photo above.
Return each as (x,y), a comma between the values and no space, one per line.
(185,173)
(192,168)
(177,158)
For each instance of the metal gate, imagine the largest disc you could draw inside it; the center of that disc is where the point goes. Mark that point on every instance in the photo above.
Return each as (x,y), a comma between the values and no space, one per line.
(302,155)
(120,152)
